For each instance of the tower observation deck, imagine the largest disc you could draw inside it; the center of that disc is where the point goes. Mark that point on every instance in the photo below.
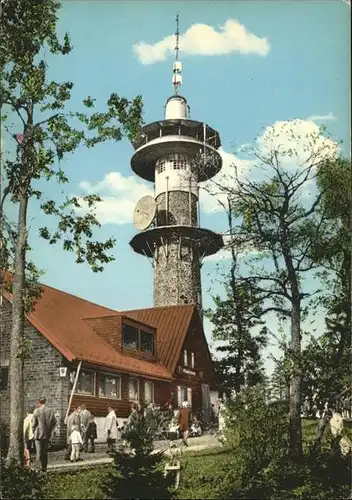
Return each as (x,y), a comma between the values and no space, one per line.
(176,154)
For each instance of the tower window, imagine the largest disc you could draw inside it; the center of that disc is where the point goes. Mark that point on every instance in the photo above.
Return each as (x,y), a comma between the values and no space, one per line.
(160,167)
(179,165)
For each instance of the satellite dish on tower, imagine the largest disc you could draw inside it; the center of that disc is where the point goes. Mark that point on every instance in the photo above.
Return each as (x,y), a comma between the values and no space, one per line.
(144,213)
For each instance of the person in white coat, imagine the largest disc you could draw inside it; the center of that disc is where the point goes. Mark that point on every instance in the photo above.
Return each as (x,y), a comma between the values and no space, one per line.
(222,421)
(111,429)
(76,442)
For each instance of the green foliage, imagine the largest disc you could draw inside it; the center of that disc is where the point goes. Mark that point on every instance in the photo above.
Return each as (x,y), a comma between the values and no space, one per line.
(4,438)
(84,484)
(49,130)
(324,476)
(234,319)
(207,474)
(139,474)
(256,432)
(21,483)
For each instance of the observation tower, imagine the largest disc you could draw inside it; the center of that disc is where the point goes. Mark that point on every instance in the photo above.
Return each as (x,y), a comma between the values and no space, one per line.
(175,154)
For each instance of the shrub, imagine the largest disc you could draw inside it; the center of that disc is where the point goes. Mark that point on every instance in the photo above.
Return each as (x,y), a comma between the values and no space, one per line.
(256,432)
(21,483)
(138,474)
(4,439)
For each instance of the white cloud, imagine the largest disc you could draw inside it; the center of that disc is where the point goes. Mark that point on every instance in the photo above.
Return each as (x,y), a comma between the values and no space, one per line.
(322,118)
(297,143)
(204,40)
(119,196)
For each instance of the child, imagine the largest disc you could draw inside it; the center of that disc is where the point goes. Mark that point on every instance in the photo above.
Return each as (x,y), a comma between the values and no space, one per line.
(76,442)
(91,433)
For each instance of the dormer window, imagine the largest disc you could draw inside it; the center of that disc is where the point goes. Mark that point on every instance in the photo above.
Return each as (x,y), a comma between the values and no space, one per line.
(185,357)
(130,337)
(135,338)
(146,342)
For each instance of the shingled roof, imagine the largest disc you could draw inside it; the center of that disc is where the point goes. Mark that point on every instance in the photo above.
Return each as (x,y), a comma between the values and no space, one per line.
(172,323)
(62,319)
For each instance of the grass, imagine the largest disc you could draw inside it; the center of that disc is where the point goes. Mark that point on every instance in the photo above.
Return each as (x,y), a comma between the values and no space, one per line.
(203,473)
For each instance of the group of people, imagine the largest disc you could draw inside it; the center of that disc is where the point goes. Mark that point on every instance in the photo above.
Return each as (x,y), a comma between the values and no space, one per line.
(38,426)
(39,423)
(82,433)
(317,408)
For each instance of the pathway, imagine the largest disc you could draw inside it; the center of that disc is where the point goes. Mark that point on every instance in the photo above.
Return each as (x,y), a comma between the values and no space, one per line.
(57,462)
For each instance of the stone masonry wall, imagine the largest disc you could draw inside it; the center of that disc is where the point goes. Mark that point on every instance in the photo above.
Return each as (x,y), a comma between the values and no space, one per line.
(177,274)
(178,209)
(41,375)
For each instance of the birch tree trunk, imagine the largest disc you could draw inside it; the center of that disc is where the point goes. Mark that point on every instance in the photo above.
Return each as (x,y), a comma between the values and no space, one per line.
(296,382)
(15,452)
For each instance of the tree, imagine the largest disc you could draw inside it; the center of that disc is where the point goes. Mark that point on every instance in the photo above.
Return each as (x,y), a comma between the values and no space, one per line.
(280,380)
(234,318)
(45,132)
(278,213)
(138,474)
(327,359)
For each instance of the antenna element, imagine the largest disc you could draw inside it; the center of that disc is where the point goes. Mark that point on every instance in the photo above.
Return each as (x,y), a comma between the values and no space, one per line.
(177,68)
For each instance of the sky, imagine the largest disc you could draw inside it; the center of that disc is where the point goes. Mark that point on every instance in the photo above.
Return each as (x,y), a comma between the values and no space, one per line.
(248,68)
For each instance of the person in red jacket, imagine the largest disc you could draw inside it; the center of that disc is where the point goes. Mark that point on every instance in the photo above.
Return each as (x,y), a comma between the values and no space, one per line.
(184,421)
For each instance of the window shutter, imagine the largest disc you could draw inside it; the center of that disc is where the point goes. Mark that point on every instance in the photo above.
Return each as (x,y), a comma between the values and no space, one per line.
(179,402)
(185,357)
(189,396)
(192,359)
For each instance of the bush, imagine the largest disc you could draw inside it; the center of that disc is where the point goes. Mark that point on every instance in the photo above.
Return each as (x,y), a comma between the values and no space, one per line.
(322,476)
(139,474)
(255,432)
(4,439)
(21,483)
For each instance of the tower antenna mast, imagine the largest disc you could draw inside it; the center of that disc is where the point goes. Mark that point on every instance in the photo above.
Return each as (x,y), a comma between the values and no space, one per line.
(177,48)
(177,69)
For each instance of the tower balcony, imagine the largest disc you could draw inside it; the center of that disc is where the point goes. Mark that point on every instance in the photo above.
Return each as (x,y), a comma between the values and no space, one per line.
(187,137)
(206,241)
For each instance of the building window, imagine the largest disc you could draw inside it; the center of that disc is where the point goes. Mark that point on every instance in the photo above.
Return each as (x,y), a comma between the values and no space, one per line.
(160,167)
(185,357)
(4,378)
(149,392)
(184,394)
(192,359)
(129,337)
(133,389)
(86,382)
(146,342)
(109,386)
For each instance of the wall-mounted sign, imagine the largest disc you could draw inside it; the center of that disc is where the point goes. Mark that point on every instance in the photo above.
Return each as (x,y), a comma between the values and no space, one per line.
(187,371)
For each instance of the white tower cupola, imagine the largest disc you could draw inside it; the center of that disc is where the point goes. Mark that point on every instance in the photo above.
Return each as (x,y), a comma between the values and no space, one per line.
(175,154)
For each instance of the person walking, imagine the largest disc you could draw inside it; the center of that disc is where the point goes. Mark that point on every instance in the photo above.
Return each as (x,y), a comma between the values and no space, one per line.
(346,407)
(111,429)
(73,419)
(76,442)
(91,433)
(85,416)
(43,424)
(28,435)
(184,421)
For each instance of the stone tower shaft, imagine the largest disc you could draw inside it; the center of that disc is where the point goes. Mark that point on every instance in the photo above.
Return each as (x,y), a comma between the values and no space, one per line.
(176,154)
